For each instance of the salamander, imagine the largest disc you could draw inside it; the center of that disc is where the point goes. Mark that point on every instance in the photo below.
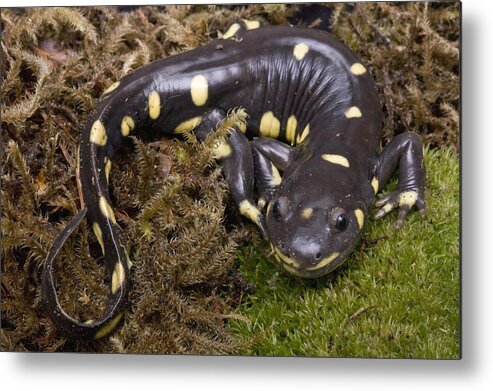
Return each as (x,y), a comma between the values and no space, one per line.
(305,168)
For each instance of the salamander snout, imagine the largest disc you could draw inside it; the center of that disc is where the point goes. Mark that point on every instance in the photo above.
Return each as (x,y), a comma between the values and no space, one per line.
(310,238)
(311,258)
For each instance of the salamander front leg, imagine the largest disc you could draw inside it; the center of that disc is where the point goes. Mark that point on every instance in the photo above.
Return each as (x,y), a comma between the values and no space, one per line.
(269,155)
(404,152)
(280,154)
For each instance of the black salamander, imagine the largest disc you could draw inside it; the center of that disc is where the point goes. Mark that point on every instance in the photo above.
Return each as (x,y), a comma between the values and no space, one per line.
(314,116)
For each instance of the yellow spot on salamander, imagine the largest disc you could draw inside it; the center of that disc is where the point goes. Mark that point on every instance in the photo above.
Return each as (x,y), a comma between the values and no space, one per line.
(300,50)
(251,24)
(107,169)
(324,262)
(108,328)
(408,198)
(270,125)
(98,134)
(187,125)
(336,159)
(106,210)
(353,112)
(276,177)
(303,135)
(360,217)
(111,88)
(117,278)
(291,270)
(358,69)
(291,129)
(269,207)
(231,31)
(261,203)
(250,211)
(387,208)
(199,89)
(375,184)
(222,150)
(129,262)
(307,213)
(287,260)
(127,125)
(154,104)
(99,235)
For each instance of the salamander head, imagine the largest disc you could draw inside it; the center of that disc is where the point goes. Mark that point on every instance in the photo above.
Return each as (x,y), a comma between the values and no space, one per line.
(315,219)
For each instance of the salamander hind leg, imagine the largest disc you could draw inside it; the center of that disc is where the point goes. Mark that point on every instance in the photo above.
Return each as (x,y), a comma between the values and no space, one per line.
(405,153)
(235,156)
(238,169)
(209,123)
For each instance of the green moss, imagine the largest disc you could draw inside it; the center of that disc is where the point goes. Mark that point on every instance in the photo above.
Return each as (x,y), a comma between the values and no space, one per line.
(397,295)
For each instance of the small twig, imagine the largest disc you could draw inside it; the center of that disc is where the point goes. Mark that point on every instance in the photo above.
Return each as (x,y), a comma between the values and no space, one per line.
(317,22)
(371,242)
(79,186)
(66,155)
(378,35)
(361,311)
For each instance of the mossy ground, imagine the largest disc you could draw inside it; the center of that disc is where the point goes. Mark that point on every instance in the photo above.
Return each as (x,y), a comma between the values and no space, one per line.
(397,295)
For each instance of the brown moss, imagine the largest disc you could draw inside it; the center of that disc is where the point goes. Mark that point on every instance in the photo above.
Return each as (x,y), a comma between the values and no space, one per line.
(168,195)
(412,50)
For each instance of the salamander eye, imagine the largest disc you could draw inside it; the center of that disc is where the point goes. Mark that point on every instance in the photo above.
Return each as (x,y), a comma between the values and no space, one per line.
(280,208)
(275,211)
(339,219)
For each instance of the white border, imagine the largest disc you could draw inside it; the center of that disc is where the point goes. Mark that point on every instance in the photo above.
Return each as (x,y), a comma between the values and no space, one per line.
(473,372)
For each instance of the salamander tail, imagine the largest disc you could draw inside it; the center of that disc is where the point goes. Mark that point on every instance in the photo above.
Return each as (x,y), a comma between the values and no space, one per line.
(66,324)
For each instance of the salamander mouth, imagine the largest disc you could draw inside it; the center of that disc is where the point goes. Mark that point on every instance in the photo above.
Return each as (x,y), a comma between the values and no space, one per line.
(297,268)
